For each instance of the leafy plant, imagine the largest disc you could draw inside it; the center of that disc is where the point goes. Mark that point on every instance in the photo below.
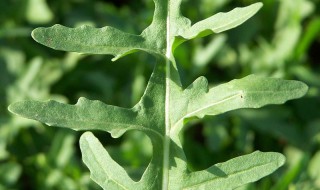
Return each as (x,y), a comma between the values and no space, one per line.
(165,106)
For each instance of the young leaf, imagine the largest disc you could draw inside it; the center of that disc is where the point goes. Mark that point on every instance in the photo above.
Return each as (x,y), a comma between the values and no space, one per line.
(165,104)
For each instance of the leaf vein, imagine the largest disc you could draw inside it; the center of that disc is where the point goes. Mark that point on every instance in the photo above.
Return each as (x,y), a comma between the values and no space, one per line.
(204,108)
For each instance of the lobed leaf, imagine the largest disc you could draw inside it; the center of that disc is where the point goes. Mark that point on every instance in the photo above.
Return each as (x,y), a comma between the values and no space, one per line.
(165,104)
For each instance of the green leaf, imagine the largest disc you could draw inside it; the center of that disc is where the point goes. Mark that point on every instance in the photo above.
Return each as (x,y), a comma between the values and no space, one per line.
(86,39)
(104,170)
(221,21)
(162,110)
(234,172)
(85,114)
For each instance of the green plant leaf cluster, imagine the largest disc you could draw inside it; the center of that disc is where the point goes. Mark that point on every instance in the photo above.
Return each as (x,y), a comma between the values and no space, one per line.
(164,107)
(280,41)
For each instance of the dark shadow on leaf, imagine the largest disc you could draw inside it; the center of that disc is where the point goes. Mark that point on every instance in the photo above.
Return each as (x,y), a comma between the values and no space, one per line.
(217,171)
(147,102)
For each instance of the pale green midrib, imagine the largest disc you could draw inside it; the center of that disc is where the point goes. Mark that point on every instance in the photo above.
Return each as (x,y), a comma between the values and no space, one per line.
(166,143)
(176,124)
(231,174)
(107,173)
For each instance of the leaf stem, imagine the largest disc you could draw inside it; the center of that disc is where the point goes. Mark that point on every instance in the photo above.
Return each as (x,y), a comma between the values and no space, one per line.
(166,152)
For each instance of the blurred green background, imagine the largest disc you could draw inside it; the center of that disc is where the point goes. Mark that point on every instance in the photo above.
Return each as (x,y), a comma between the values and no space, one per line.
(282,40)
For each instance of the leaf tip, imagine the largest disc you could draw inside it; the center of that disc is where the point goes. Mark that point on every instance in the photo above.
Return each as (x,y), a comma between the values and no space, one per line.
(256,6)
(85,136)
(45,36)
(304,88)
(85,139)
(115,58)
(28,109)
(116,133)
(259,5)
(279,159)
(299,89)
(11,108)
(36,34)
(282,159)
(17,107)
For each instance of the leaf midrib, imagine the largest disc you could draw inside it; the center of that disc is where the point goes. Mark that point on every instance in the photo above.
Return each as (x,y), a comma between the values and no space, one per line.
(176,124)
(166,143)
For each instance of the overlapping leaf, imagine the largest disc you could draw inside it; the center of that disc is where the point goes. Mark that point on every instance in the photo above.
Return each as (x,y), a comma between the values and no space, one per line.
(165,104)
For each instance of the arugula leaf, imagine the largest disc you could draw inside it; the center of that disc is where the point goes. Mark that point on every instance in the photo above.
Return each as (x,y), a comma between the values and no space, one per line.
(165,105)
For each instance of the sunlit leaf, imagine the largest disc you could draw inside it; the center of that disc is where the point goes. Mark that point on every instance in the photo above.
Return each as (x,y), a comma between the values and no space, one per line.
(165,104)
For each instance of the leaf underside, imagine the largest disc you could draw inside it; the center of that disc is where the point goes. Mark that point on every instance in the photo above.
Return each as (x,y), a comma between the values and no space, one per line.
(163,109)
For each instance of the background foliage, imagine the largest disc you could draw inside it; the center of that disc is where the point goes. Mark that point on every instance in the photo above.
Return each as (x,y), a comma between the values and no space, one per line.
(282,40)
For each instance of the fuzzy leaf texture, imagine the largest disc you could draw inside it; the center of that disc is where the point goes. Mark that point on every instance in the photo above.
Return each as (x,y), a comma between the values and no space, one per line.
(163,109)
